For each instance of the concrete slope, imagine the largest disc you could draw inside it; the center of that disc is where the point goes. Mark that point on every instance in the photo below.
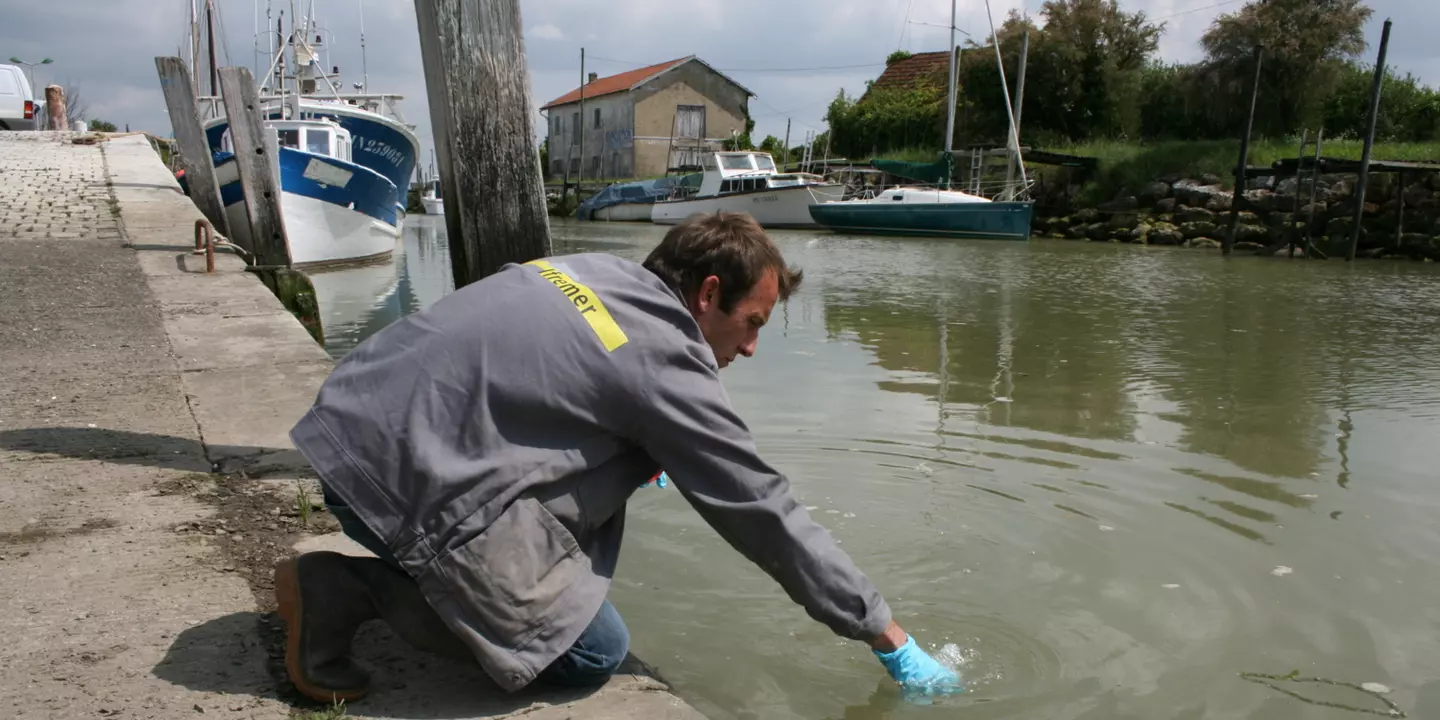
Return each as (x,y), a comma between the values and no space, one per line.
(146,480)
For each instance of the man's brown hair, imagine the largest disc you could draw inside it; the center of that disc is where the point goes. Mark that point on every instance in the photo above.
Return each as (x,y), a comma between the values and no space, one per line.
(729,245)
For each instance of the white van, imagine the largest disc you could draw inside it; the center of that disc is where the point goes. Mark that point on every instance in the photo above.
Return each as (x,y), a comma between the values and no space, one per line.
(17,104)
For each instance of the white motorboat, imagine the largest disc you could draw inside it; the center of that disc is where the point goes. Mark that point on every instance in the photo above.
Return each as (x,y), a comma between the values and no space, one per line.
(433,199)
(748,182)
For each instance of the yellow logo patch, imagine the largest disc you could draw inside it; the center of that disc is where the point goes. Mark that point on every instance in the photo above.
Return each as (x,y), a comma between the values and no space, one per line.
(587,303)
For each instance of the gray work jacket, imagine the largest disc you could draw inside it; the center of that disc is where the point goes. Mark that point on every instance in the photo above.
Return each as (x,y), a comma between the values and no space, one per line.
(493,439)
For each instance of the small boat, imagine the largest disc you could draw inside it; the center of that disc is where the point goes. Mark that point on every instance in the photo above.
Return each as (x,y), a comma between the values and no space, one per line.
(633,201)
(433,198)
(748,182)
(909,210)
(931,211)
(335,210)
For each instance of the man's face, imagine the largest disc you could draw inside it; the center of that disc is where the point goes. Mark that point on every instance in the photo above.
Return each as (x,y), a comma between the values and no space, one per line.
(737,332)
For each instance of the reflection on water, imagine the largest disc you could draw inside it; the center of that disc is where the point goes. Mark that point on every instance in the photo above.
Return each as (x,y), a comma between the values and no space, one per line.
(1079,462)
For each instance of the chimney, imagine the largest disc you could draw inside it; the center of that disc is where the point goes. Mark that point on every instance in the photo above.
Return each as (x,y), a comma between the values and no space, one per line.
(592,78)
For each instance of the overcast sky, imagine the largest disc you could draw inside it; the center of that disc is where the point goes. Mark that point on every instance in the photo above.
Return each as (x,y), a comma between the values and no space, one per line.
(794,55)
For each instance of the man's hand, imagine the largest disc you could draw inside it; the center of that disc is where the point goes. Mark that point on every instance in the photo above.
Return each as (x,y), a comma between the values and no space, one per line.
(912,667)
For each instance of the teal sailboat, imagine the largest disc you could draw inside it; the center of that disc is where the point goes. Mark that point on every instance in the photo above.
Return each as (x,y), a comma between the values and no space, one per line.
(936,212)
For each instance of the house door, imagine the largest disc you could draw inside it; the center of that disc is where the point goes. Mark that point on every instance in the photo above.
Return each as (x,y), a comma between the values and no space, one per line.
(688,143)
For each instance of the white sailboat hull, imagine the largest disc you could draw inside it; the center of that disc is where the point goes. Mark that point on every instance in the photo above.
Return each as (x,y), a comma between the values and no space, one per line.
(433,206)
(786,207)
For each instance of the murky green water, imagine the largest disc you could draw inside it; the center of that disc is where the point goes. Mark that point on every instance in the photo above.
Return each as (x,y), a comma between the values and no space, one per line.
(1118,477)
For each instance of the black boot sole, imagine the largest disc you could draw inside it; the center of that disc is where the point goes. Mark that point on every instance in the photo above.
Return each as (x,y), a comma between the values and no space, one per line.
(287,596)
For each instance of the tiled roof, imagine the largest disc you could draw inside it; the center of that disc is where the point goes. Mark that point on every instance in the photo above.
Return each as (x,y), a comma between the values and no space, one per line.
(615,83)
(907,72)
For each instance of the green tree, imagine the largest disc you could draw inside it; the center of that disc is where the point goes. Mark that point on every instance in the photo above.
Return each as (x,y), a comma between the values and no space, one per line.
(897,56)
(1083,73)
(102,126)
(1409,111)
(1305,45)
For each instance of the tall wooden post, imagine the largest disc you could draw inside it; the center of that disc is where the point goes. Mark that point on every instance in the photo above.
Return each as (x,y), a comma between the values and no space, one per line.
(474,57)
(59,115)
(1229,242)
(1364,180)
(190,136)
(255,158)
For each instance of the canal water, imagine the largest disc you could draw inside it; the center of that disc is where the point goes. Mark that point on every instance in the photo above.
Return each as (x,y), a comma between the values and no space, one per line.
(1121,481)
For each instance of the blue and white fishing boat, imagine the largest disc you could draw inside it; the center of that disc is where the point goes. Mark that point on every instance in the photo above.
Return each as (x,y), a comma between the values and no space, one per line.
(345,160)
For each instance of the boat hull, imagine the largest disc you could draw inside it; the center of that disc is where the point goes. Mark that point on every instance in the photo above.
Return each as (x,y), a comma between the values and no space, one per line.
(787,207)
(625,212)
(991,221)
(433,206)
(334,212)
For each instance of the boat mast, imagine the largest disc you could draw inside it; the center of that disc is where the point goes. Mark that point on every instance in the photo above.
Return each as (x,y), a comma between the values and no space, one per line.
(1012,139)
(950,104)
(364,69)
(194,49)
(210,38)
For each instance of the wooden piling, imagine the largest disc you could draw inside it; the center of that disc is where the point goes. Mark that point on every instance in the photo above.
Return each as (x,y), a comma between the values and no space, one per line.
(254,159)
(1364,179)
(1229,242)
(190,136)
(474,57)
(56,112)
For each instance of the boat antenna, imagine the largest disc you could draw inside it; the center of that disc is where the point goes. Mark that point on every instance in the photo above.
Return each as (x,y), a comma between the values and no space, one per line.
(364,71)
(1012,139)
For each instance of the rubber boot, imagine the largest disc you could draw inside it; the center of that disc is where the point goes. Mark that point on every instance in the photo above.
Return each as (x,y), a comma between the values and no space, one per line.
(323,602)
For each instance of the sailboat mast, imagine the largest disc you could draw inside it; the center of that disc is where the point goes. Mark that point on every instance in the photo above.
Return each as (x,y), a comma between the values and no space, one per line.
(1012,139)
(194,48)
(950,86)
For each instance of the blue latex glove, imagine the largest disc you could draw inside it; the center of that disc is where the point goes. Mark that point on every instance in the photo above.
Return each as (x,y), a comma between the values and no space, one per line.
(915,670)
(663,480)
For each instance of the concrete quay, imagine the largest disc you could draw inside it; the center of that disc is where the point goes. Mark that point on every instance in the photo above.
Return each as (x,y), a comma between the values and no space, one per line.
(147,485)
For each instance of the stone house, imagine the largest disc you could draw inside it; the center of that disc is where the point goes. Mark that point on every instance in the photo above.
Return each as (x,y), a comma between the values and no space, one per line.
(642,122)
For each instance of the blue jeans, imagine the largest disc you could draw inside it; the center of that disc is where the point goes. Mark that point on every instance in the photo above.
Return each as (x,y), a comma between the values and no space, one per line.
(594,657)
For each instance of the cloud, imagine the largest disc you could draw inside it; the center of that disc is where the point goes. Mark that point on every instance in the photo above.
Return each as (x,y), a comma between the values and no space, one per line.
(547,31)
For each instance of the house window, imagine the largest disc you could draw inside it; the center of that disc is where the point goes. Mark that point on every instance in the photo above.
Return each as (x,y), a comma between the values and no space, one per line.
(597,117)
(594,166)
(574,166)
(614,164)
(557,167)
(690,121)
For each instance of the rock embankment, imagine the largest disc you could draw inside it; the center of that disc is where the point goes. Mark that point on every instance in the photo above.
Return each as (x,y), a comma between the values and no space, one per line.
(1196,213)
